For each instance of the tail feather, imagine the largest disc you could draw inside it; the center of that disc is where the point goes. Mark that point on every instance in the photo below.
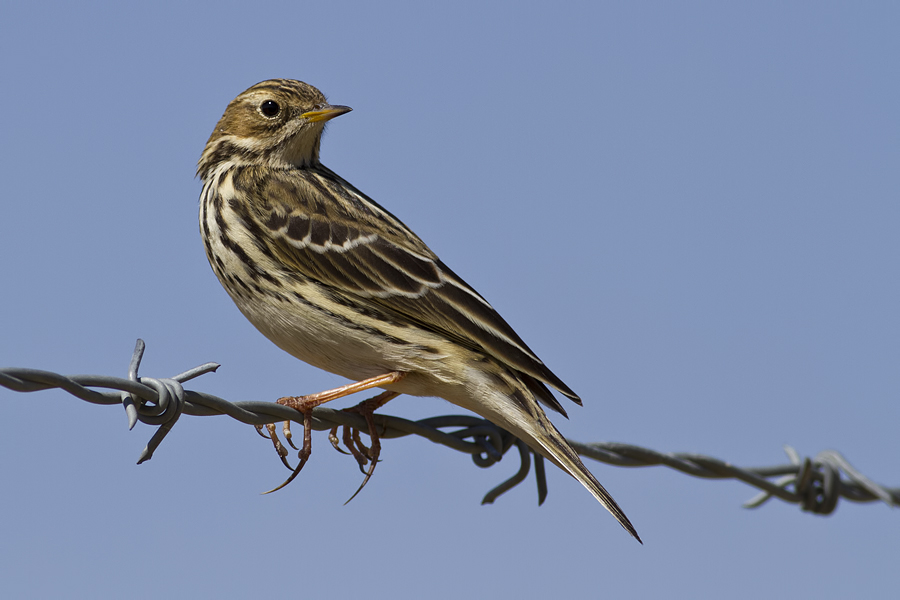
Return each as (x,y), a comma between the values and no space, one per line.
(553,446)
(514,407)
(500,395)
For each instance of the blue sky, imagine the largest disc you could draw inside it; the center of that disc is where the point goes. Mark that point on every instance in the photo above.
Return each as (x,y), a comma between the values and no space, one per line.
(690,211)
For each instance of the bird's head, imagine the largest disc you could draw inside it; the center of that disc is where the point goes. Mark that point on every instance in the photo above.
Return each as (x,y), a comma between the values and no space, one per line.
(276,123)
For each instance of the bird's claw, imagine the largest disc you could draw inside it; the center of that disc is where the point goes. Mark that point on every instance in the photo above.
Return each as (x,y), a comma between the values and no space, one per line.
(364,455)
(286,430)
(303,454)
(351,440)
(335,441)
(279,447)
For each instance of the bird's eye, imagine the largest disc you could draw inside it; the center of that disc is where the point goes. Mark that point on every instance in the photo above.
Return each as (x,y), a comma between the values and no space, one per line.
(269,108)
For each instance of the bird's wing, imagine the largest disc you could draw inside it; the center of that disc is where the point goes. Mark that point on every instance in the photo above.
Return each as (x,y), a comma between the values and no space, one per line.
(331,232)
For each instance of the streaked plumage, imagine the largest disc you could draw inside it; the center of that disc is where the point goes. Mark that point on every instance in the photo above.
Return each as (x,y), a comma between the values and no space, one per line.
(337,281)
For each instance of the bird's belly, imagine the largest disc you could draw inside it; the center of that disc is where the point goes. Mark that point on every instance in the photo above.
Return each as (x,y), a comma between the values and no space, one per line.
(353,345)
(304,334)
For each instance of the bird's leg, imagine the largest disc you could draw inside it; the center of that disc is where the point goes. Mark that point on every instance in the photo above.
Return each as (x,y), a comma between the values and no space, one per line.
(305,405)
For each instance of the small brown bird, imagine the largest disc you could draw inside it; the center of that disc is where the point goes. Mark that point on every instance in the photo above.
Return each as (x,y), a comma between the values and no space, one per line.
(337,281)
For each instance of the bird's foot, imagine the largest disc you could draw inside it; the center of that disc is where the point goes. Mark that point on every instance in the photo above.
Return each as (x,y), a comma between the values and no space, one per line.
(268,431)
(363,454)
(305,450)
(305,405)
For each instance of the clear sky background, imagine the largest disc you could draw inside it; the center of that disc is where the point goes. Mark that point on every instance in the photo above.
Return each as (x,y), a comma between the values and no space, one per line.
(690,211)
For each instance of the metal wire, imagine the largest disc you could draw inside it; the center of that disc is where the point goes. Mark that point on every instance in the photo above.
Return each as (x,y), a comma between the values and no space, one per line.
(815,484)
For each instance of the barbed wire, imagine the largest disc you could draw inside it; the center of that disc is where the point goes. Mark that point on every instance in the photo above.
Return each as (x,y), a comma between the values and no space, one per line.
(815,484)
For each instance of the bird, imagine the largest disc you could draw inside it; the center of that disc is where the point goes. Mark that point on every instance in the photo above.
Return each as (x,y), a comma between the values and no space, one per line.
(336,280)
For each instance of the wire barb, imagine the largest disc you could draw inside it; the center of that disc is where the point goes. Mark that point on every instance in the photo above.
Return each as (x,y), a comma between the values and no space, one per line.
(815,484)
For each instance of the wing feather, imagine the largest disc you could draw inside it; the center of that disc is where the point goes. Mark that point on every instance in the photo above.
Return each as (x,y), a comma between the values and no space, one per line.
(354,245)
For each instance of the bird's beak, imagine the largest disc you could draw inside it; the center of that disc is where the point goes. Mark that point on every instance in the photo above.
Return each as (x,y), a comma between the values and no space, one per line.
(326,113)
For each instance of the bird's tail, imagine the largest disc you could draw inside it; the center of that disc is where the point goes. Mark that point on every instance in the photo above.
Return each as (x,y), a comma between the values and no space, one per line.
(546,440)
(518,412)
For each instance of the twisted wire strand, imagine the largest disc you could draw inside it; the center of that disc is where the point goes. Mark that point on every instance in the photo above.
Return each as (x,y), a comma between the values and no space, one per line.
(815,484)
